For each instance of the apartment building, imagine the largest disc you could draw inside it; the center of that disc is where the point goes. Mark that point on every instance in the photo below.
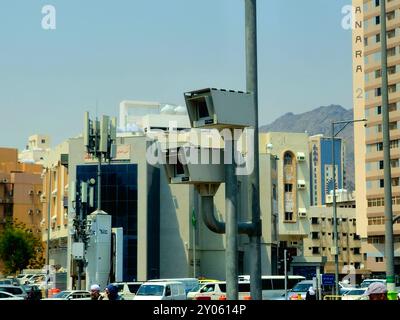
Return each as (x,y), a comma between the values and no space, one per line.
(293,189)
(20,191)
(369,141)
(36,149)
(320,242)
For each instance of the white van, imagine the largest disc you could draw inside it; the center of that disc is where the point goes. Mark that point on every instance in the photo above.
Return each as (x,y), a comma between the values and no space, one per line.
(189,283)
(161,290)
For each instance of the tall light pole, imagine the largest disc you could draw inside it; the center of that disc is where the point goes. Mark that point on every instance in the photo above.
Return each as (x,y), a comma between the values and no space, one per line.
(252,86)
(48,233)
(335,232)
(389,247)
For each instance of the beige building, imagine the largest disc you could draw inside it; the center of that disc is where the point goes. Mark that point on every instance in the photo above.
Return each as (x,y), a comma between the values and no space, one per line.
(293,188)
(368,149)
(55,203)
(36,150)
(321,240)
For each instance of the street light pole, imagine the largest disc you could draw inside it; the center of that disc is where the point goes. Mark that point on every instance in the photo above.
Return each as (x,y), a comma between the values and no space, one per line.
(335,213)
(335,232)
(48,234)
(389,247)
(252,86)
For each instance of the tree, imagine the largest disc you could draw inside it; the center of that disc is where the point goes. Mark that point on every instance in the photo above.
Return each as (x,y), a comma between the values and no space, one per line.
(20,248)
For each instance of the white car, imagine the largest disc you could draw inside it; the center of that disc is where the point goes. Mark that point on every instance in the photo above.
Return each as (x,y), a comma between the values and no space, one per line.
(8,296)
(71,295)
(354,294)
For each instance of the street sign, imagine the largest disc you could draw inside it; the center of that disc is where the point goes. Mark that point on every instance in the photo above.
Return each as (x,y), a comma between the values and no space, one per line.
(328,279)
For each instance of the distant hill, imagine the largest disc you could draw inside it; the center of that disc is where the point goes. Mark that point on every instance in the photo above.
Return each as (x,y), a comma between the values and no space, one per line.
(319,121)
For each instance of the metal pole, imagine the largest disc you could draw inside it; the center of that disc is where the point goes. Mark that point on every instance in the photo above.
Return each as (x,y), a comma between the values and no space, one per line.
(389,248)
(335,213)
(99,182)
(194,251)
(319,291)
(285,267)
(231,224)
(48,235)
(252,86)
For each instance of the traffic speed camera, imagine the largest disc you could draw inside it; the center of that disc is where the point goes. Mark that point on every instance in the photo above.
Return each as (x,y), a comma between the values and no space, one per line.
(194,165)
(215,108)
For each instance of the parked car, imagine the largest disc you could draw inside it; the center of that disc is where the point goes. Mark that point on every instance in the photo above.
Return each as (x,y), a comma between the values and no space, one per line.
(167,290)
(300,288)
(354,294)
(8,296)
(367,282)
(127,290)
(14,290)
(70,295)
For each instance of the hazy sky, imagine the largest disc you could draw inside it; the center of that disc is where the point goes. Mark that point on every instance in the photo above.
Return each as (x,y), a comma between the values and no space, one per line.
(155,50)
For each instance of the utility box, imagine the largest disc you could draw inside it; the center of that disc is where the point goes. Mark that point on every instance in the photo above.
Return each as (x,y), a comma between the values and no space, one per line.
(195,165)
(78,250)
(219,108)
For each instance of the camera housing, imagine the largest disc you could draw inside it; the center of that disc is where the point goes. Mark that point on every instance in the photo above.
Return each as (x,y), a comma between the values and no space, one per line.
(219,108)
(195,165)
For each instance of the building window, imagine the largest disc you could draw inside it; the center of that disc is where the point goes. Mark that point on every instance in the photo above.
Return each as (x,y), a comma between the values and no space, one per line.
(356,251)
(378,110)
(392,107)
(288,216)
(314,221)
(378,92)
(376,3)
(391,70)
(381,183)
(379,259)
(288,187)
(356,237)
(391,15)
(287,160)
(377,20)
(381,164)
(315,235)
(378,73)
(391,34)
(378,39)
(379,146)
(391,52)
(315,250)
(43,141)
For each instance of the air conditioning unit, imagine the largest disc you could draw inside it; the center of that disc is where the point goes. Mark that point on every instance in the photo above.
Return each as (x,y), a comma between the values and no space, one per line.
(301,156)
(302,213)
(42,198)
(30,211)
(4,180)
(38,211)
(301,184)
(30,192)
(39,192)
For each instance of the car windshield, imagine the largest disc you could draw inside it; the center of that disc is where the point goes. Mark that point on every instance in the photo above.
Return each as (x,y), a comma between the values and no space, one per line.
(150,290)
(196,288)
(365,284)
(355,292)
(302,287)
(62,294)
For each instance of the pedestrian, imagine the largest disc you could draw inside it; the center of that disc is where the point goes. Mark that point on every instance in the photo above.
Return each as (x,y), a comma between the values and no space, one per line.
(376,291)
(310,295)
(95,292)
(112,293)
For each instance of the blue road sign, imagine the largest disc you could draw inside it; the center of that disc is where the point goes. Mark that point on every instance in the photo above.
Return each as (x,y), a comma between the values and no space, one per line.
(328,279)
